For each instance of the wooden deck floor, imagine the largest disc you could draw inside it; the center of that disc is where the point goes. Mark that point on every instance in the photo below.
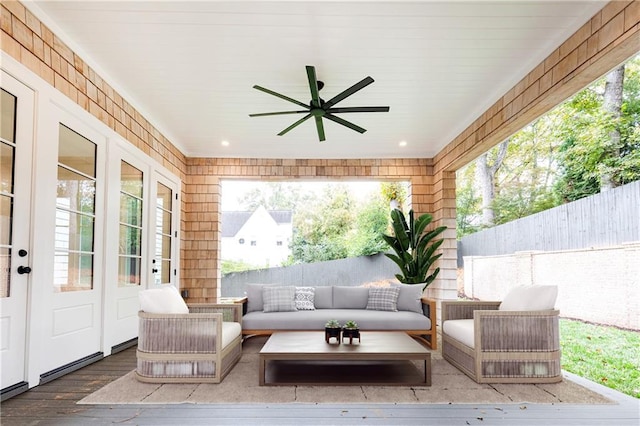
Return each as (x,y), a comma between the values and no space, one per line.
(54,403)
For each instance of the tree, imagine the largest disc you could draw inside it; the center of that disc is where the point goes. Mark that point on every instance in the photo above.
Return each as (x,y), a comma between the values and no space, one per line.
(487,165)
(273,196)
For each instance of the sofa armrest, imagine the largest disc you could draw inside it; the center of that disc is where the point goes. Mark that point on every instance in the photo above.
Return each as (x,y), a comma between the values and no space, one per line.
(231,312)
(429,310)
(517,331)
(463,309)
(180,333)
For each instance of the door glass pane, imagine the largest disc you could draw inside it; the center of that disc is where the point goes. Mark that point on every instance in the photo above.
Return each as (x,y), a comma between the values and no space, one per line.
(75,212)
(130,210)
(130,240)
(7,116)
(128,271)
(7,156)
(130,246)
(75,192)
(73,271)
(77,152)
(130,180)
(6,167)
(163,235)
(6,204)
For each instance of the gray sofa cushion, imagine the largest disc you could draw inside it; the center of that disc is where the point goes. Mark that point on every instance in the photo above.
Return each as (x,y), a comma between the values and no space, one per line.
(350,297)
(409,297)
(324,297)
(254,297)
(315,320)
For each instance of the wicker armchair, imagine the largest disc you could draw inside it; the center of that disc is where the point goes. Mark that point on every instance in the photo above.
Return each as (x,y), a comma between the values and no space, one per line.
(199,347)
(506,346)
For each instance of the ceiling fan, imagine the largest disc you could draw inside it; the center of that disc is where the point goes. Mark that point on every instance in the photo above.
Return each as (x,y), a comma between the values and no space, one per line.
(319,108)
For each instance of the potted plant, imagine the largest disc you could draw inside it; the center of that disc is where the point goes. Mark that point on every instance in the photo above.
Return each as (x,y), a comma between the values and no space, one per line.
(414,247)
(350,330)
(332,329)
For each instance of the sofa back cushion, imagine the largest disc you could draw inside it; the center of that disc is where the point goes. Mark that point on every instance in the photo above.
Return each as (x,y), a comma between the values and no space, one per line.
(350,297)
(165,300)
(410,297)
(530,298)
(323,298)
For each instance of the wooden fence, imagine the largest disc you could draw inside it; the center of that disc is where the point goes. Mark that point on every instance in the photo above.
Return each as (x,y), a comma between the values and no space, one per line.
(602,220)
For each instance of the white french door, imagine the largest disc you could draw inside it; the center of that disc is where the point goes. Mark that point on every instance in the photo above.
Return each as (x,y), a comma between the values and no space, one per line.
(164,239)
(16,146)
(71,226)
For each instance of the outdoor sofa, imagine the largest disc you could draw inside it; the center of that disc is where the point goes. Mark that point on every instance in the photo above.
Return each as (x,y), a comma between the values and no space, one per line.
(273,307)
(513,341)
(199,343)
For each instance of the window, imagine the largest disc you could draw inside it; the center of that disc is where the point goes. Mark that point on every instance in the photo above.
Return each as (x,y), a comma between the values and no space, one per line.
(75,212)
(7,155)
(241,241)
(130,243)
(253,243)
(279,243)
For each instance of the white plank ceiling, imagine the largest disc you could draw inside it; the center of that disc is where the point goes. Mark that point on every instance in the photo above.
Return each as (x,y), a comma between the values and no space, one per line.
(189,67)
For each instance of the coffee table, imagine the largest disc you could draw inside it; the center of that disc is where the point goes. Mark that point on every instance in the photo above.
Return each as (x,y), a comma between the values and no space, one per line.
(305,357)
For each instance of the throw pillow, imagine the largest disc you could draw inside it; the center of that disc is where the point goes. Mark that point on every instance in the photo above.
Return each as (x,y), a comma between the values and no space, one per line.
(409,298)
(279,299)
(383,299)
(165,300)
(254,297)
(530,298)
(304,298)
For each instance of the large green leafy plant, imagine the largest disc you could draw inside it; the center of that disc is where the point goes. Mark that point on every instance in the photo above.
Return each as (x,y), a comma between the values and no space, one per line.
(414,247)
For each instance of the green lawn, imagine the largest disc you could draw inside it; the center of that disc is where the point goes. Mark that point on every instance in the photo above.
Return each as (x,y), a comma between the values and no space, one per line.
(602,354)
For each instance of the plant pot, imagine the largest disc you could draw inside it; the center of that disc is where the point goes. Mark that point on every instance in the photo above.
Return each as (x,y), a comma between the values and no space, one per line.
(332,333)
(350,333)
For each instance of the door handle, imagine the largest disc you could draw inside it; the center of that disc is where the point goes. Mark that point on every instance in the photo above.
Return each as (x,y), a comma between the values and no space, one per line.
(154,270)
(24,270)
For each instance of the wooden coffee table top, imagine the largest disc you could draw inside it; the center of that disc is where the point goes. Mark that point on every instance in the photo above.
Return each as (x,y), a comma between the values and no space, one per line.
(313,343)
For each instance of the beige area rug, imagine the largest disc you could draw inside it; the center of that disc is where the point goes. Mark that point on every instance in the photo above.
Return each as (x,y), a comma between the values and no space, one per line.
(449,386)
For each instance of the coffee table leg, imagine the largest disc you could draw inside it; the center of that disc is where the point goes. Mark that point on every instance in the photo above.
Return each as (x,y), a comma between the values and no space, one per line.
(427,371)
(263,370)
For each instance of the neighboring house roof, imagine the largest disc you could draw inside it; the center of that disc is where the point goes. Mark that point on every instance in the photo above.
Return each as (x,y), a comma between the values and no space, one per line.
(233,221)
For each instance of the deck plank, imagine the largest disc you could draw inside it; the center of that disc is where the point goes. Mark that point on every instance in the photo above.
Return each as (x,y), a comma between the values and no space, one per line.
(54,403)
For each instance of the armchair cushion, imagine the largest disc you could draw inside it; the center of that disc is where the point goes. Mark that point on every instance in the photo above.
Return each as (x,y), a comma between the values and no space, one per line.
(461,330)
(530,298)
(230,331)
(165,300)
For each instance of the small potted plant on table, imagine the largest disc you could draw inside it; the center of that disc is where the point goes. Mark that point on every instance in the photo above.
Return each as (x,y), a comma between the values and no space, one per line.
(332,329)
(351,331)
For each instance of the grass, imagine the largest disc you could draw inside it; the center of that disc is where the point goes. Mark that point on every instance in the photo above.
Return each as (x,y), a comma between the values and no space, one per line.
(602,354)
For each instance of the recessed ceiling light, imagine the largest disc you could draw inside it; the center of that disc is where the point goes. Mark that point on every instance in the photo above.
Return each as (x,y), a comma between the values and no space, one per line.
(402,143)
(225,143)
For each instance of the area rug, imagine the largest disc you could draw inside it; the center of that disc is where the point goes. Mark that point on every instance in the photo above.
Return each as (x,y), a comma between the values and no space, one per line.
(449,386)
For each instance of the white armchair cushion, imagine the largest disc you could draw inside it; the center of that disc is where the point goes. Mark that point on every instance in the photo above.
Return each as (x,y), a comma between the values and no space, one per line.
(530,298)
(165,300)
(461,330)
(230,330)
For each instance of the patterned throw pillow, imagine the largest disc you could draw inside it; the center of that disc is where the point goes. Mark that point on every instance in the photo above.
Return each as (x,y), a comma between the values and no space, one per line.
(305,298)
(278,299)
(383,299)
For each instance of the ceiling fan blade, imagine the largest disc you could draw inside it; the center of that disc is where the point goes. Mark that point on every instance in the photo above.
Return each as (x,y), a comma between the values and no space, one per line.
(297,123)
(320,127)
(350,91)
(313,85)
(262,114)
(278,95)
(360,109)
(344,123)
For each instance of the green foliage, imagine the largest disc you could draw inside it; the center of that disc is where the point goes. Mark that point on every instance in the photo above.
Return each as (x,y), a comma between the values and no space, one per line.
(604,355)
(352,325)
(333,226)
(467,203)
(332,324)
(229,266)
(414,248)
(588,152)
